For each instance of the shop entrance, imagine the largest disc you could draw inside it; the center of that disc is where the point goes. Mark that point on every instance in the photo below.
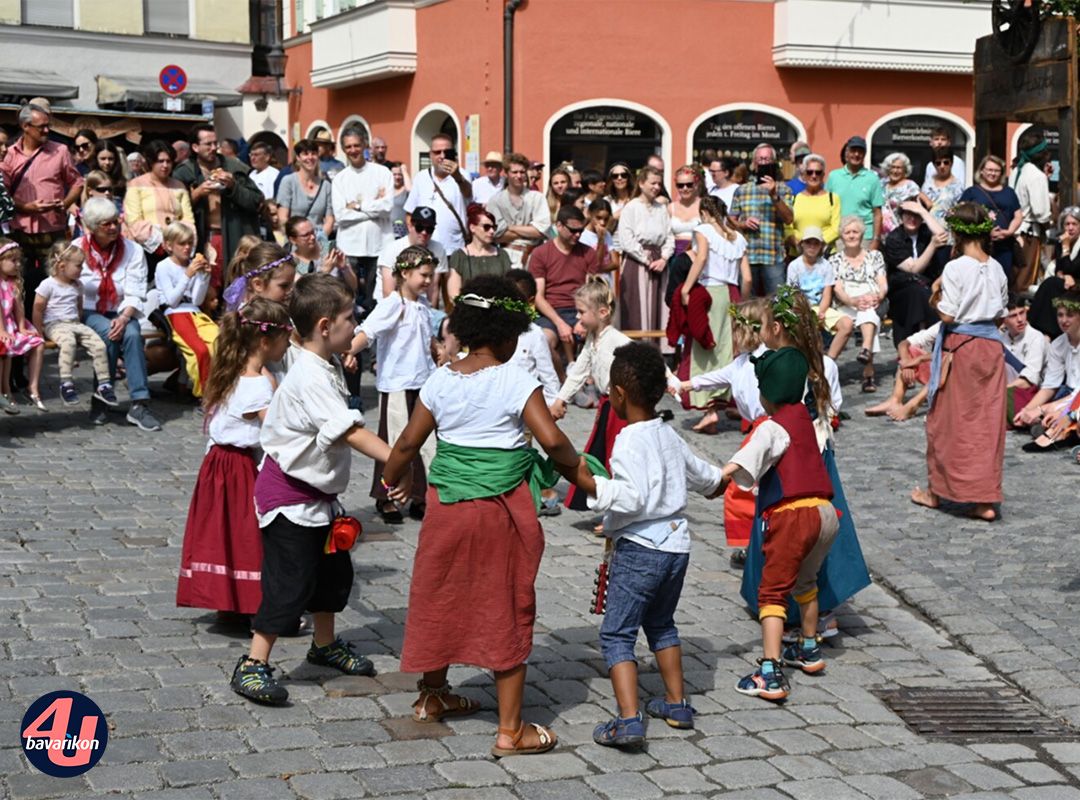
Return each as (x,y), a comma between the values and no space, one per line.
(598,136)
(736,132)
(910,134)
(428,125)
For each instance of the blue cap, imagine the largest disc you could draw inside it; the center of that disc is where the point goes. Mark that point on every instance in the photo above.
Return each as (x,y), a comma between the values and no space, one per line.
(856,141)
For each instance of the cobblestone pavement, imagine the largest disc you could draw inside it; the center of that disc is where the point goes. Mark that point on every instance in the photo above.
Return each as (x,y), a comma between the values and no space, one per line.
(90,531)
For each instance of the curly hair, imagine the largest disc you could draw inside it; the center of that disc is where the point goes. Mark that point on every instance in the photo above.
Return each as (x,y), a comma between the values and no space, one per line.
(806,336)
(485,327)
(638,369)
(238,338)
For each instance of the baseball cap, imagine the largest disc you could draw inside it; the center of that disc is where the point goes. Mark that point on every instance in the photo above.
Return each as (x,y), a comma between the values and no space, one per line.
(536,165)
(423,216)
(493,157)
(812,232)
(802,150)
(856,141)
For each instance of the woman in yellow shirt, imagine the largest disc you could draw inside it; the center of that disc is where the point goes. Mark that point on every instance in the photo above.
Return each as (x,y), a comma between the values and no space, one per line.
(813,207)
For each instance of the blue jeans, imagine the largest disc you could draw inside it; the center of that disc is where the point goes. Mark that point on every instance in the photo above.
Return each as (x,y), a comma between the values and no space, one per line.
(767,277)
(131,347)
(643,590)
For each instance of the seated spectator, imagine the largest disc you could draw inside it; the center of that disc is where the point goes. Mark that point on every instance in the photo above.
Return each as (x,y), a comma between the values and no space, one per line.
(915,254)
(896,188)
(1029,346)
(812,273)
(913,367)
(309,255)
(420,228)
(813,207)
(114,288)
(1043,315)
(860,288)
(1060,380)
(481,256)
(598,236)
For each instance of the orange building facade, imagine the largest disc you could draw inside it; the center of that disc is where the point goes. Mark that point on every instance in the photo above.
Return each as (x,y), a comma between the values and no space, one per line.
(596,82)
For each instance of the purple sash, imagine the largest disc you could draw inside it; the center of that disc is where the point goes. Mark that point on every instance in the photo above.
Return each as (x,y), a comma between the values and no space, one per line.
(273,489)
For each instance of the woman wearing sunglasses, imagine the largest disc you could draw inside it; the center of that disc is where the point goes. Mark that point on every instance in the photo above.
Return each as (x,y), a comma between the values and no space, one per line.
(685,209)
(813,207)
(943,189)
(85,140)
(620,186)
(481,256)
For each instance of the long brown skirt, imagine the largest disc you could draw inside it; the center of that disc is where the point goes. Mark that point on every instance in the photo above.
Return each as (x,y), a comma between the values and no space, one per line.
(473,597)
(641,298)
(965,430)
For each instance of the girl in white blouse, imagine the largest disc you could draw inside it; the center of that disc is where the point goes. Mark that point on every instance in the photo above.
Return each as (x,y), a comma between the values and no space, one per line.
(647,242)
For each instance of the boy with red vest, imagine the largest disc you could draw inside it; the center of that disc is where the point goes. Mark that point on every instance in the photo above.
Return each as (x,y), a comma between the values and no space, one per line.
(783,459)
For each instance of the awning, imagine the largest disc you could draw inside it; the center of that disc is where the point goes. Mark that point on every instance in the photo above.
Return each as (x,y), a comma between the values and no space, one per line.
(18,83)
(145,92)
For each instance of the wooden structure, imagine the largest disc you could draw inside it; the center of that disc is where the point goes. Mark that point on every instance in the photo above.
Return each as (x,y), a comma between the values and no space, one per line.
(1041,90)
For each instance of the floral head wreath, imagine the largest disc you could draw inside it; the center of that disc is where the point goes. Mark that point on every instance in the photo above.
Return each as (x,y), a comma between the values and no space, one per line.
(783,307)
(1070,302)
(970,228)
(264,325)
(414,260)
(234,294)
(739,319)
(505,303)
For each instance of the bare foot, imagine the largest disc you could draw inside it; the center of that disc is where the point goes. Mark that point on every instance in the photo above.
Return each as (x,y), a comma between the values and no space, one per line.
(881,408)
(983,511)
(924,497)
(707,424)
(904,413)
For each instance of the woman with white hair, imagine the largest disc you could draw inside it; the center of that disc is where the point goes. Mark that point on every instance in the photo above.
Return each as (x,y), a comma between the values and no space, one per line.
(114,289)
(1043,314)
(898,188)
(813,207)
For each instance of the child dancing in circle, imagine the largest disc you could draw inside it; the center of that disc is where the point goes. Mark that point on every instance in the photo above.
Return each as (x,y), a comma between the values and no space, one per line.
(221,558)
(472,598)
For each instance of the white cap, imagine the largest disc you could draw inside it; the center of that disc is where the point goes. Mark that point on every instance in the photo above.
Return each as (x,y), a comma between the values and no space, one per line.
(812,232)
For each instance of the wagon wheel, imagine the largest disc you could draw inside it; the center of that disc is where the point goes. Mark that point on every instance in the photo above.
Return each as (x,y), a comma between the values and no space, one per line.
(1016,28)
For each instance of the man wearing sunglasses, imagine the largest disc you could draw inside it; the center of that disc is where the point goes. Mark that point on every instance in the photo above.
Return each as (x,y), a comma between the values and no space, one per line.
(443,188)
(421,228)
(522,216)
(859,190)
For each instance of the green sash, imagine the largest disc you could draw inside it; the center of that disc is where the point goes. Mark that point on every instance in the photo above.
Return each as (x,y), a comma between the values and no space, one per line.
(470,473)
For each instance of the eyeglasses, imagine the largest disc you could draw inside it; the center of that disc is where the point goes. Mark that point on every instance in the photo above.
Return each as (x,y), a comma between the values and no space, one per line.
(689,185)
(439,152)
(43,126)
(83,146)
(103,189)
(423,229)
(943,161)
(814,172)
(573,231)
(620,175)
(487,226)
(305,234)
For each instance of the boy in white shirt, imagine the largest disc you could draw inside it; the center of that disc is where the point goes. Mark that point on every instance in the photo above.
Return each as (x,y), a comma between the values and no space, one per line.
(644,505)
(308,437)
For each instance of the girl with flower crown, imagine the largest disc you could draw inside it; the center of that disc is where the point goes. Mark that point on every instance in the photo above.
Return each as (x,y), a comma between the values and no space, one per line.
(401,324)
(222,551)
(965,427)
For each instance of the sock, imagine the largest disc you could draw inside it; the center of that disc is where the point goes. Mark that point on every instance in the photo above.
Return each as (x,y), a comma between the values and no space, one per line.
(68,382)
(809,643)
(766,667)
(104,385)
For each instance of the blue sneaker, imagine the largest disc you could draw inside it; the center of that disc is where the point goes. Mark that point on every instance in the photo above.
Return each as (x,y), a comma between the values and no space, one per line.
(768,684)
(619,732)
(106,395)
(805,654)
(68,394)
(677,715)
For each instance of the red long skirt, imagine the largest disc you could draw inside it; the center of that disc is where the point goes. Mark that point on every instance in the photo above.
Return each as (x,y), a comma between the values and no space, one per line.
(221,561)
(473,597)
(740,505)
(607,426)
(965,430)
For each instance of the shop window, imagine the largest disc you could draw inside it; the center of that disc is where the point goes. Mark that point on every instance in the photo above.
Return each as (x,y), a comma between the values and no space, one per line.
(166,16)
(735,132)
(910,134)
(52,13)
(598,136)
(435,121)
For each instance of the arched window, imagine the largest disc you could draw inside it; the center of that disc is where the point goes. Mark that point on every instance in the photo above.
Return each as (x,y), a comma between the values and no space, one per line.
(432,120)
(909,132)
(595,134)
(354,120)
(735,130)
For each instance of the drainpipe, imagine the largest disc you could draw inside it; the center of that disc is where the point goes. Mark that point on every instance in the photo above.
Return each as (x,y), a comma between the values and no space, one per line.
(508,74)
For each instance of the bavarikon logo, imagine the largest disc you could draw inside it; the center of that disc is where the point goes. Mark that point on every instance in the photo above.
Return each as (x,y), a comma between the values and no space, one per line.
(64,734)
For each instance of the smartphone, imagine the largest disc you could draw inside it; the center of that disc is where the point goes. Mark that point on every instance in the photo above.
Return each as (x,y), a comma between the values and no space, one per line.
(766,171)
(451,154)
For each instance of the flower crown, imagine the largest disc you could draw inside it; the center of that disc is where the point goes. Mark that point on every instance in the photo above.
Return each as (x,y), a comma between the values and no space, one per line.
(739,319)
(264,325)
(505,303)
(413,262)
(234,293)
(783,307)
(970,228)
(1069,303)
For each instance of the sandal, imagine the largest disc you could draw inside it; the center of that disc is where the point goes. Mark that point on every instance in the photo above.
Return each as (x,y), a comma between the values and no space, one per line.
(869,385)
(864,356)
(390,513)
(463,707)
(548,740)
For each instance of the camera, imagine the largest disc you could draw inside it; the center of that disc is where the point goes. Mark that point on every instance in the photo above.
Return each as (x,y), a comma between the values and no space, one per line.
(767,171)
(450,154)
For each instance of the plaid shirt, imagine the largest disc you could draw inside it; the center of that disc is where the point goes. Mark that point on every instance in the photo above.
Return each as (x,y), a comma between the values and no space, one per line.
(765,245)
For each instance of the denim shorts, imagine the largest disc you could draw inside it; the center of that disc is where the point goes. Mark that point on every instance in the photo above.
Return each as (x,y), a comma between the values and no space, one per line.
(567,315)
(643,590)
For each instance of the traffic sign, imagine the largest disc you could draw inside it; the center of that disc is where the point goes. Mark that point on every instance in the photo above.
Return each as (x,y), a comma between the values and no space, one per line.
(173,80)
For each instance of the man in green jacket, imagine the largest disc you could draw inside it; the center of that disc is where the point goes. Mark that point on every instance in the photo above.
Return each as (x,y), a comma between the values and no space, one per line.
(225,200)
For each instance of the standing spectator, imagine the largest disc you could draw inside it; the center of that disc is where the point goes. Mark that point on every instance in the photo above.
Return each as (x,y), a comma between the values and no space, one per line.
(363,196)
(620,190)
(420,229)
(305,192)
(799,151)
(230,148)
(941,139)
(1032,188)
(136,164)
(110,159)
(7,205)
(225,200)
(401,194)
(481,256)
(990,191)
(760,211)
(492,181)
(813,207)
(859,190)
(914,255)
(378,151)
(262,173)
(85,141)
(1043,315)
(156,200)
(595,186)
(522,217)
(558,183)
(647,242)
(657,163)
(182,150)
(720,174)
(560,268)
(443,188)
(941,191)
(536,172)
(309,257)
(44,183)
(114,290)
(328,163)
(896,189)
(685,210)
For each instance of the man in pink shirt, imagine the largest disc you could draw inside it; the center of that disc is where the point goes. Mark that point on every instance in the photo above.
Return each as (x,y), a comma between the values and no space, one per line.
(41,178)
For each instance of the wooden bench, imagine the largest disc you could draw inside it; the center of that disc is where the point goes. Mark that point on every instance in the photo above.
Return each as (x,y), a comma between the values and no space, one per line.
(636,335)
(161,354)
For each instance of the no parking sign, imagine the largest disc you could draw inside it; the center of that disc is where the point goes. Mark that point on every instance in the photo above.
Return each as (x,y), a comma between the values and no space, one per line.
(173,80)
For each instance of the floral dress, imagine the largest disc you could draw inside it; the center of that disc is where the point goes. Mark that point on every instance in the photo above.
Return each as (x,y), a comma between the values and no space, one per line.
(22,343)
(943,197)
(895,196)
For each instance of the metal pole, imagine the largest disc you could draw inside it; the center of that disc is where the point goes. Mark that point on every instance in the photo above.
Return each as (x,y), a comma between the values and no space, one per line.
(508,74)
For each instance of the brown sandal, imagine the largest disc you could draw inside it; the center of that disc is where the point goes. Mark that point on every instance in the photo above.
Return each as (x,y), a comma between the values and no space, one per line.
(548,740)
(463,707)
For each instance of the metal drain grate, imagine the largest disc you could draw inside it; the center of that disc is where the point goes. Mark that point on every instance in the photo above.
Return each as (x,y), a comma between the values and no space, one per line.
(974,714)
